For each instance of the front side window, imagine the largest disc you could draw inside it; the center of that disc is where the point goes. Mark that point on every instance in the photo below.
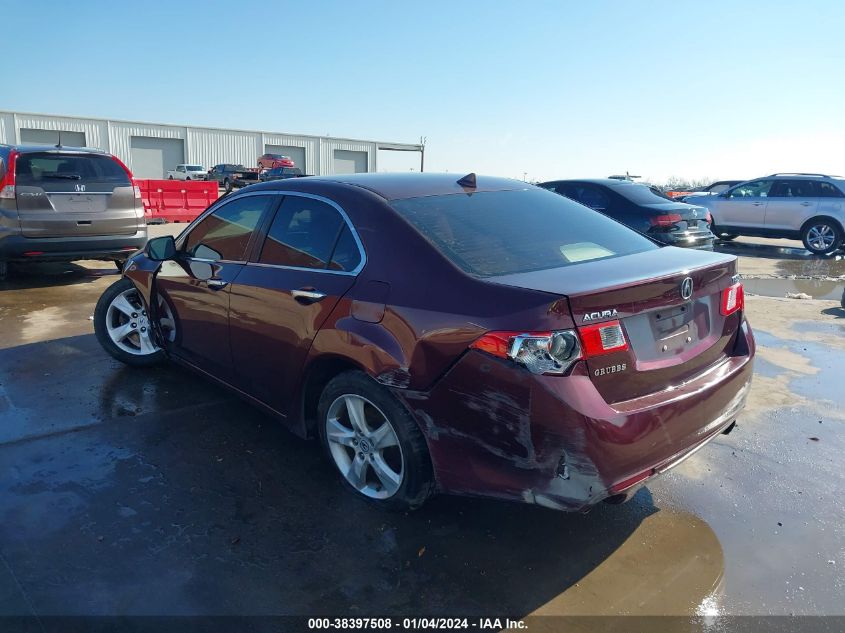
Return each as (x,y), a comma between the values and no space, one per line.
(503,232)
(180,168)
(225,233)
(305,234)
(792,189)
(754,189)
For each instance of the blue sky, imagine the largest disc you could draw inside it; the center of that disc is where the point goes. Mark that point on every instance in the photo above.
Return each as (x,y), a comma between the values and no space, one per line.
(551,89)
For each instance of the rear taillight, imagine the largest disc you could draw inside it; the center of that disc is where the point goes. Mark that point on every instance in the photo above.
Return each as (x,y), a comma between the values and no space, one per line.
(603,338)
(733,299)
(7,183)
(664,220)
(709,218)
(539,352)
(135,188)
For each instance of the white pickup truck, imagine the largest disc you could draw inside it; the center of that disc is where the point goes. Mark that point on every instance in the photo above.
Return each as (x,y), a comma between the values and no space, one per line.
(188,172)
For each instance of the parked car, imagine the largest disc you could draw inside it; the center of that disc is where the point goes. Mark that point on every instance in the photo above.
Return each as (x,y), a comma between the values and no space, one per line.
(187,172)
(67,203)
(808,207)
(440,341)
(710,190)
(231,176)
(269,161)
(280,173)
(638,207)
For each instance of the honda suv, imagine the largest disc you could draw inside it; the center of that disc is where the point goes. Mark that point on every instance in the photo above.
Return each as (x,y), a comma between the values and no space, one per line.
(63,204)
(808,207)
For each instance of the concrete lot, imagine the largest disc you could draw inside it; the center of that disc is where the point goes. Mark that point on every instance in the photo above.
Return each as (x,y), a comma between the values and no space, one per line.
(153,492)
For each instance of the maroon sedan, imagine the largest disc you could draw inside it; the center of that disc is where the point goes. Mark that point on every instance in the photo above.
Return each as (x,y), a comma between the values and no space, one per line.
(479,336)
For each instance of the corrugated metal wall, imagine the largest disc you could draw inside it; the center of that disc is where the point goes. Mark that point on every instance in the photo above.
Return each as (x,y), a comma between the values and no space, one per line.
(202,145)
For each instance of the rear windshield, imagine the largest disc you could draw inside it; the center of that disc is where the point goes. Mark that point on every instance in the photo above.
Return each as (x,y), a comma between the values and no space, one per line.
(504,232)
(40,168)
(639,194)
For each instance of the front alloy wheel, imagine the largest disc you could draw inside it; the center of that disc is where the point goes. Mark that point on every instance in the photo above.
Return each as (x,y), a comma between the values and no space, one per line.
(123,326)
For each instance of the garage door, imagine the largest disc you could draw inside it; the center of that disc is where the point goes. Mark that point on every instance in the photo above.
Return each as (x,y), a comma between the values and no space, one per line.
(296,153)
(153,157)
(349,162)
(51,137)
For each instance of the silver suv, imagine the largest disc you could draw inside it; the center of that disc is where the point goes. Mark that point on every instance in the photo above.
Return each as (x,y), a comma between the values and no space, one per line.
(808,207)
(62,203)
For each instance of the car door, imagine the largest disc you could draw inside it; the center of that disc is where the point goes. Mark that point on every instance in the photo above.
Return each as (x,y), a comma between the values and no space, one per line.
(307,262)
(743,206)
(197,284)
(790,204)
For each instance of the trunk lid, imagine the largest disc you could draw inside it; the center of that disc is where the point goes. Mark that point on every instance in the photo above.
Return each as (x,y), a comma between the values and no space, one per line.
(67,194)
(670,338)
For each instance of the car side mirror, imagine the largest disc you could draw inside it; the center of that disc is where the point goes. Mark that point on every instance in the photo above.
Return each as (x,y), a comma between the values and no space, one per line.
(160,249)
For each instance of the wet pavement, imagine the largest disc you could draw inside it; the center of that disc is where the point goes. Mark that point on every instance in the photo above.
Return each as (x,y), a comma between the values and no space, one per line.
(154,492)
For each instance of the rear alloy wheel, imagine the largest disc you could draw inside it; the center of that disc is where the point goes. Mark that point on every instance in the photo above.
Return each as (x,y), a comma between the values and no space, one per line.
(821,237)
(122,325)
(227,185)
(374,442)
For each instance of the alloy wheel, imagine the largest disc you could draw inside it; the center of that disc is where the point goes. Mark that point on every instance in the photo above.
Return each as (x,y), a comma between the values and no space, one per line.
(365,446)
(821,237)
(128,324)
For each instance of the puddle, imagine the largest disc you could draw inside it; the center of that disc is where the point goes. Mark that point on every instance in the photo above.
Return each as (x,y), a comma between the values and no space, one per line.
(816,288)
(764,250)
(813,267)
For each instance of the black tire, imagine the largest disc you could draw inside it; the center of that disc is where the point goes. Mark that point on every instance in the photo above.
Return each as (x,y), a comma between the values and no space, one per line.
(170,177)
(418,476)
(101,329)
(813,228)
(227,185)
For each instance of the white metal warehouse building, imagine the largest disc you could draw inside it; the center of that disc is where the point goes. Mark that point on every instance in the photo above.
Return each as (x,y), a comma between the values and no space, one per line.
(151,149)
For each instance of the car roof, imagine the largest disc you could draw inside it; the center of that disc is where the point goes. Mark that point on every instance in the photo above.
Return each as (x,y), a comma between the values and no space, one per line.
(398,186)
(607,182)
(24,149)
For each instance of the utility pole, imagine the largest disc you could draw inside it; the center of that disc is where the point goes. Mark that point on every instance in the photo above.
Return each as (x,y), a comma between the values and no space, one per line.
(422,153)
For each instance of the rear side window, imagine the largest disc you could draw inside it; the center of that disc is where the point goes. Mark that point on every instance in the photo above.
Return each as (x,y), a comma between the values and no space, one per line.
(49,168)
(225,233)
(504,232)
(792,189)
(825,189)
(304,234)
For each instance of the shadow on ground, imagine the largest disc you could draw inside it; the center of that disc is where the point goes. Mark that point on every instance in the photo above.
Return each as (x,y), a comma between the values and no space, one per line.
(149,492)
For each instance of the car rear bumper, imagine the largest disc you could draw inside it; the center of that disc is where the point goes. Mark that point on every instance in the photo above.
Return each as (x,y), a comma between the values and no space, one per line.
(687,239)
(500,431)
(117,247)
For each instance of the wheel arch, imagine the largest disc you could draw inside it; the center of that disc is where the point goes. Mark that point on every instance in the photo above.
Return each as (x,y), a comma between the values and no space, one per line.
(829,218)
(317,374)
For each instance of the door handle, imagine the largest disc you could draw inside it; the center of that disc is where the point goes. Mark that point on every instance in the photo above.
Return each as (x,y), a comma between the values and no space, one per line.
(306,296)
(757,204)
(216,284)
(805,204)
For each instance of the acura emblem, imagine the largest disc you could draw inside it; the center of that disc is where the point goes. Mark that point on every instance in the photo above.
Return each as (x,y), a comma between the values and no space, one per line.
(686,288)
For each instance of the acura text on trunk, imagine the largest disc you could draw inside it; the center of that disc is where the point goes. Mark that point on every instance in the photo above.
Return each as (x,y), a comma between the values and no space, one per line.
(479,336)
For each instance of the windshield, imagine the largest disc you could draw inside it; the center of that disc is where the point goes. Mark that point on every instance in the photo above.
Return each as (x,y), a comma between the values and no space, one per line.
(194,168)
(504,232)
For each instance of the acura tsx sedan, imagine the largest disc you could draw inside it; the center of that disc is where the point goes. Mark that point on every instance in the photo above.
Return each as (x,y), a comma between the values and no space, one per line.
(478,336)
